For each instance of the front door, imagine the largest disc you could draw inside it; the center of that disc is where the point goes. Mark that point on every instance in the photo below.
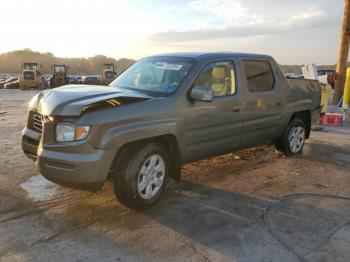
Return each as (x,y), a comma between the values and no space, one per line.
(215,127)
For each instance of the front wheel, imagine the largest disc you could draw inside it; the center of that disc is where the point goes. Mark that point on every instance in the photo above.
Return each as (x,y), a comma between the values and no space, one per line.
(292,142)
(141,176)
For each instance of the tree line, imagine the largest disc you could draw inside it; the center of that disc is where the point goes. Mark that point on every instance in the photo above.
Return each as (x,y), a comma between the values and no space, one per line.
(11,62)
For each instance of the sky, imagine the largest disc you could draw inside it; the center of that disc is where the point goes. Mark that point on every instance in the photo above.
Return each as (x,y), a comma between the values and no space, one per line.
(293,31)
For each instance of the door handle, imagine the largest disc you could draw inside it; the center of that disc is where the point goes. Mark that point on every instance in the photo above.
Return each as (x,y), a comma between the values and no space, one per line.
(236,109)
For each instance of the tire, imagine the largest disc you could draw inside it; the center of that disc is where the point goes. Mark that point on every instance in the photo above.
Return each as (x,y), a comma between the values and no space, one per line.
(292,142)
(141,175)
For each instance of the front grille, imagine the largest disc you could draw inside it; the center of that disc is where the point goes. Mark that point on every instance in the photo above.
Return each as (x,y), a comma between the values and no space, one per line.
(37,122)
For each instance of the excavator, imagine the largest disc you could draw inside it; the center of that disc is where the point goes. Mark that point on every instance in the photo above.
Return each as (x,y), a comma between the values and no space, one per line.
(108,74)
(31,77)
(59,76)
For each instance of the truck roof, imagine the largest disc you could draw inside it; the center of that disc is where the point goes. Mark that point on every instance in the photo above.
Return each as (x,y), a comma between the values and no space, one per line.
(197,55)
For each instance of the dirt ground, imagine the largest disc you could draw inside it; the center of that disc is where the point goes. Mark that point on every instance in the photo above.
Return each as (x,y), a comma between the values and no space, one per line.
(254,205)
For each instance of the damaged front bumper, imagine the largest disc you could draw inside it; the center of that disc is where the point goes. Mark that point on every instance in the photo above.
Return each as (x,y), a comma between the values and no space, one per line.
(73,164)
(30,142)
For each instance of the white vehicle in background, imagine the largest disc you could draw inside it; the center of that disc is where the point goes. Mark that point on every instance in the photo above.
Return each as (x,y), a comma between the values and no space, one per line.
(8,80)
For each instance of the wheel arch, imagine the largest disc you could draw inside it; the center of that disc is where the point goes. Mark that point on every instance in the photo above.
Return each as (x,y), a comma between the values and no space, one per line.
(304,115)
(168,141)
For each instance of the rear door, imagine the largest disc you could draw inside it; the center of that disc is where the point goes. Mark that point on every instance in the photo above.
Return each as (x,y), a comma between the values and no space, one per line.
(215,127)
(263,102)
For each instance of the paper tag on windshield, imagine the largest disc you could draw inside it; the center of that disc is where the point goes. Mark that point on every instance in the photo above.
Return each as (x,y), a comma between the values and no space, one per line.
(167,66)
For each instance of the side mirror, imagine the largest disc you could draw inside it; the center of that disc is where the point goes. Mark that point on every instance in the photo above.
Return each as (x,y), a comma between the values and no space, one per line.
(202,93)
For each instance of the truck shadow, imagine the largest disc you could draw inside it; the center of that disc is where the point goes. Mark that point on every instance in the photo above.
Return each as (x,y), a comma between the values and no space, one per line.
(30,232)
(233,224)
(229,224)
(328,153)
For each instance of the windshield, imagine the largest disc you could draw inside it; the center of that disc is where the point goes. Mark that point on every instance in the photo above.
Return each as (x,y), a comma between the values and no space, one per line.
(109,66)
(155,75)
(28,75)
(110,74)
(60,69)
(31,66)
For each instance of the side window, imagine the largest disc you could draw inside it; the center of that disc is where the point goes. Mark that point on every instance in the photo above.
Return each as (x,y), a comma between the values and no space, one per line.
(220,77)
(259,75)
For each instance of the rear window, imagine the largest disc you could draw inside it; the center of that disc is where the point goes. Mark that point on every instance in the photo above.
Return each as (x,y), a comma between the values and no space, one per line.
(28,75)
(109,74)
(60,69)
(259,76)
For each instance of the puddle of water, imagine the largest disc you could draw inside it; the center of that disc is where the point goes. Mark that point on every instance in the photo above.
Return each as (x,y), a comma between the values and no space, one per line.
(39,189)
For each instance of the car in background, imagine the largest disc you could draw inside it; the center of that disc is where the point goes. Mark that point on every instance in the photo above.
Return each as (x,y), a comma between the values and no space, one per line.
(322,72)
(330,73)
(75,80)
(90,80)
(45,81)
(12,85)
(9,80)
(294,75)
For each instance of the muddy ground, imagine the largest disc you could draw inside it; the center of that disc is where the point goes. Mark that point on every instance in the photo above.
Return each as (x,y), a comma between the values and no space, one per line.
(254,205)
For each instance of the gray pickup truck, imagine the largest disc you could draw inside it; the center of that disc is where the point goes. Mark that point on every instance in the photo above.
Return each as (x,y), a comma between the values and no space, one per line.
(162,112)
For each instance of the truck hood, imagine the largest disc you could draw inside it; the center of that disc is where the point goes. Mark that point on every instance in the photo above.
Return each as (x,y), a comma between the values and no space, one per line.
(72,100)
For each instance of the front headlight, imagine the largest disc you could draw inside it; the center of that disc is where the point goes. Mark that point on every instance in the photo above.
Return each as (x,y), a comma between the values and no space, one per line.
(66,132)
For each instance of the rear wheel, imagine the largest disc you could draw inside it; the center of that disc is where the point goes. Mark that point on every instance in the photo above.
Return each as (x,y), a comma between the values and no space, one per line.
(141,176)
(292,142)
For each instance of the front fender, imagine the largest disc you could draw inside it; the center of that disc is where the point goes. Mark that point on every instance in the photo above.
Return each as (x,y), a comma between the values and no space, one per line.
(118,136)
